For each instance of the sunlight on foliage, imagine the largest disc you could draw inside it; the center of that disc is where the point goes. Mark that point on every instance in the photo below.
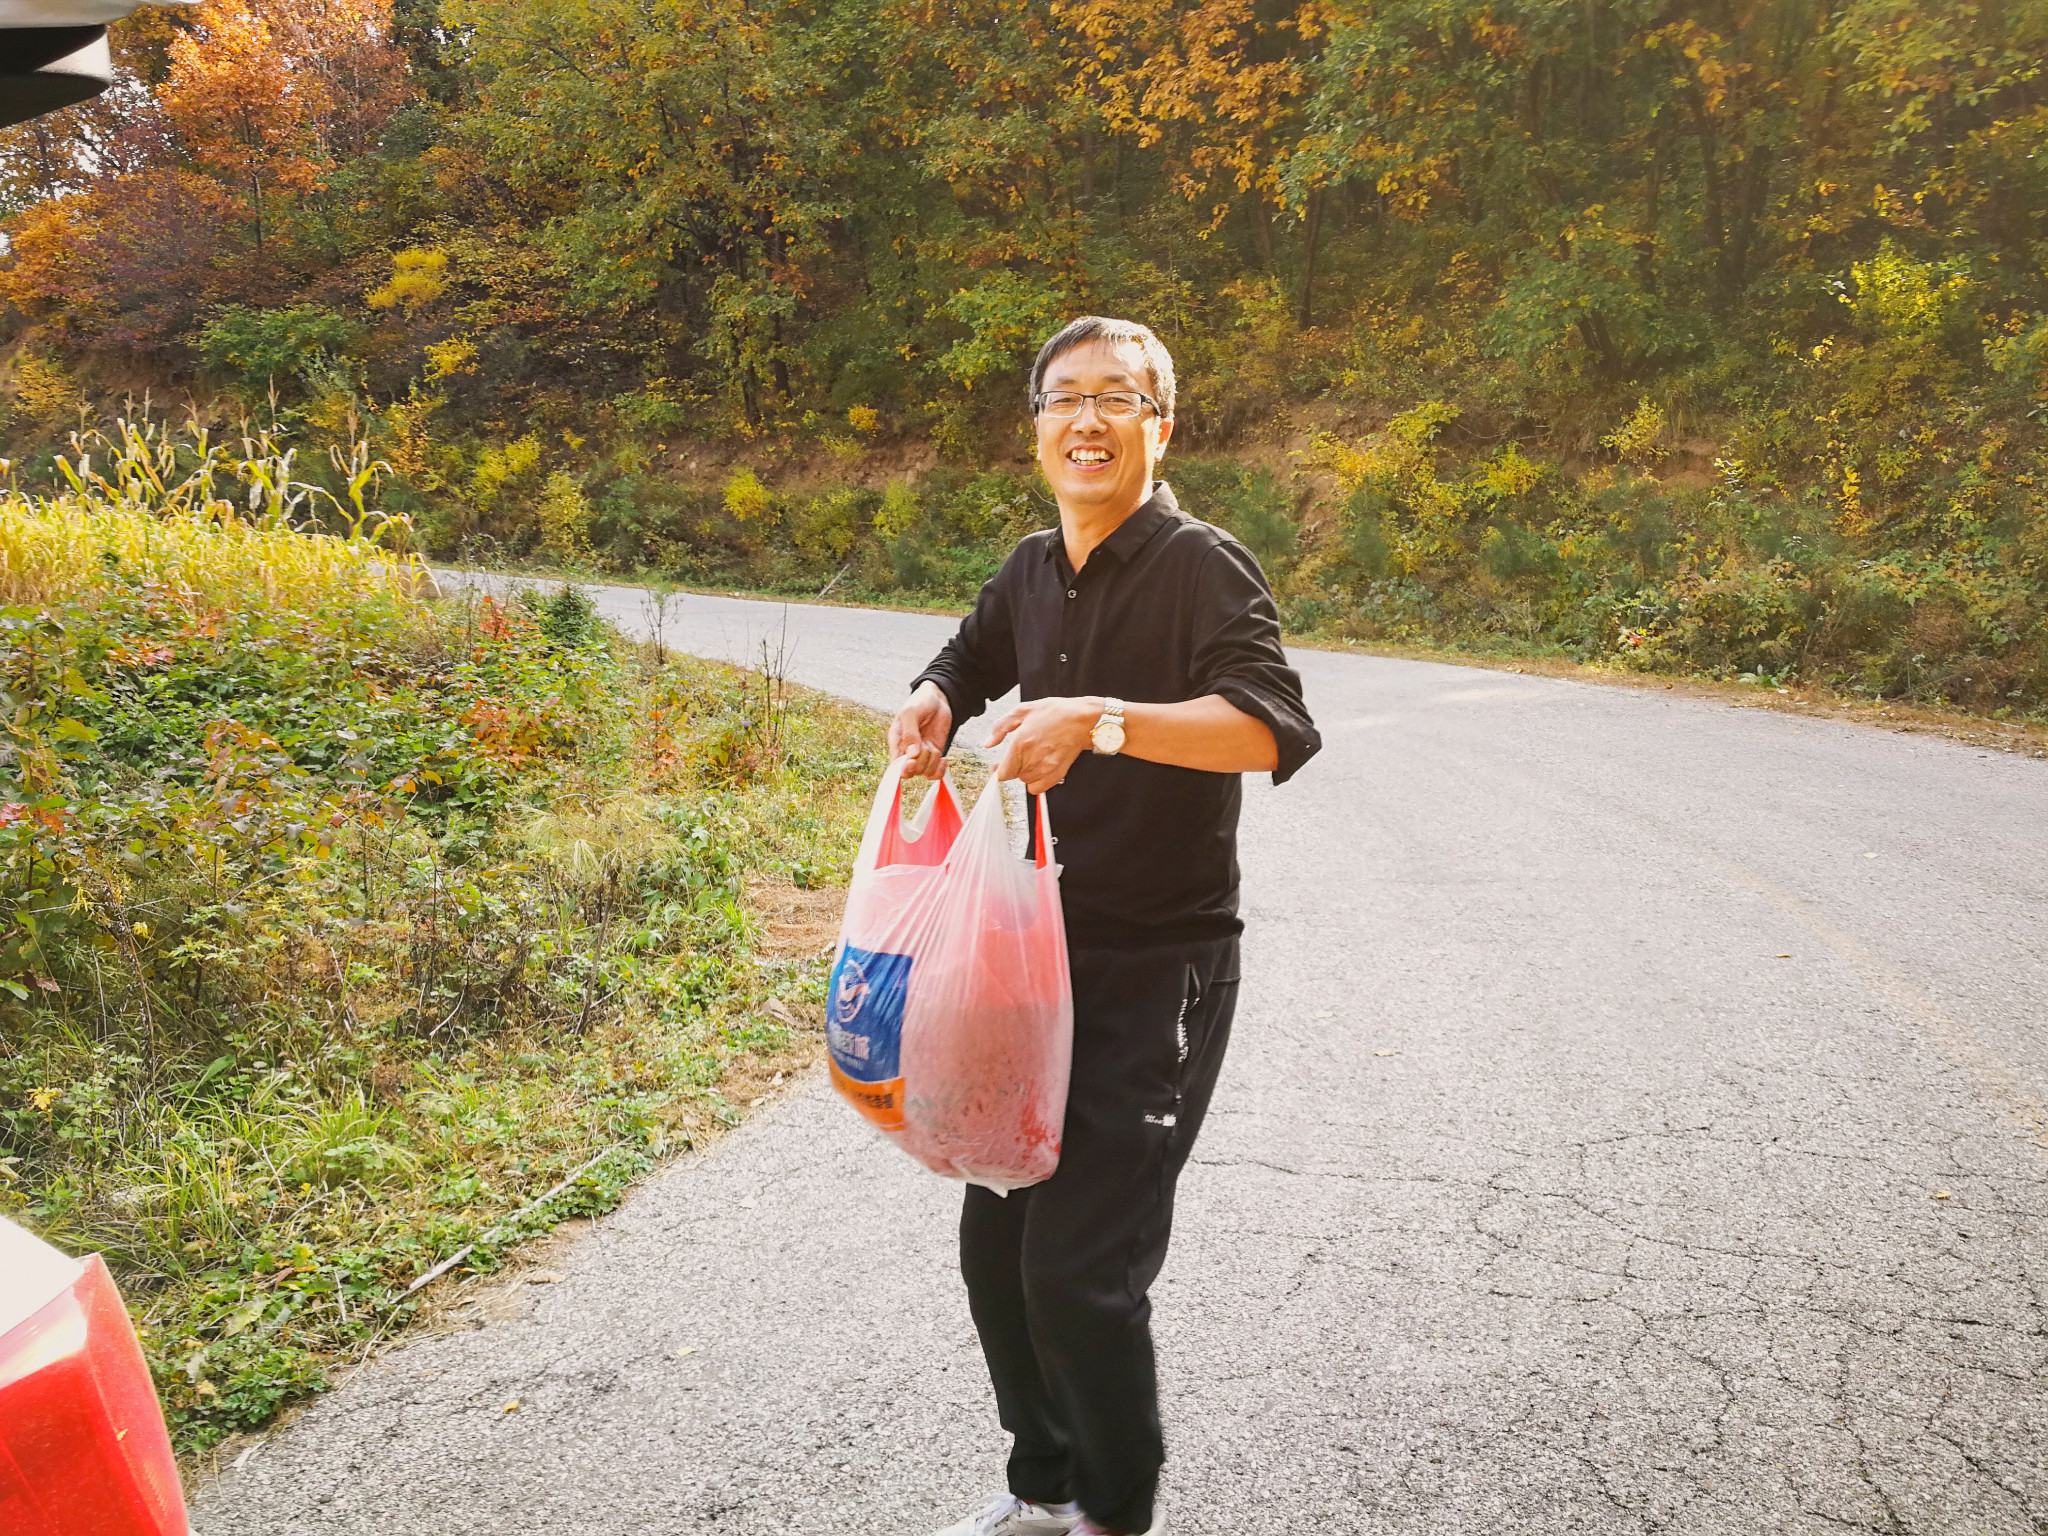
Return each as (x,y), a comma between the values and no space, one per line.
(146,508)
(417,277)
(1466,302)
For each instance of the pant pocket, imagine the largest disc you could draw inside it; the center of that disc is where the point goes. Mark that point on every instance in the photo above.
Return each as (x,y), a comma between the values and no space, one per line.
(1183,1048)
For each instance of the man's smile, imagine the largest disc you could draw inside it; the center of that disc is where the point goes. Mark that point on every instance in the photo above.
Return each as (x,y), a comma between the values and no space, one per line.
(1089,453)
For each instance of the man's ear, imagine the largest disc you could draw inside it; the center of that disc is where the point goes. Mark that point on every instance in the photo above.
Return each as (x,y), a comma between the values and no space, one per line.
(1165,426)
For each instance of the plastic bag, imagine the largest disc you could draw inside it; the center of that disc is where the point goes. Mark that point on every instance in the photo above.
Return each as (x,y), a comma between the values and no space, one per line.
(950,1012)
(891,907)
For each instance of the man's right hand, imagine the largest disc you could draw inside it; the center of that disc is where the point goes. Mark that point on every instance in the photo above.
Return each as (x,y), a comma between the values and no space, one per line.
(921,727)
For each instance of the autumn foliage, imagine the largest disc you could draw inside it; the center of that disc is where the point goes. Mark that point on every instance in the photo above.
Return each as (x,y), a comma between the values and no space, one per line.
(181,179)
(610,245)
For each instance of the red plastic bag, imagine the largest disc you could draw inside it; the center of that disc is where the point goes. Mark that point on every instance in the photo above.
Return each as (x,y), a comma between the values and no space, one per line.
(83,1450)
(950,1012)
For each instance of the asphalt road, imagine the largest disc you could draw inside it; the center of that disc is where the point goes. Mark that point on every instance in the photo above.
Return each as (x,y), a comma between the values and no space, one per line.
(1635,1123)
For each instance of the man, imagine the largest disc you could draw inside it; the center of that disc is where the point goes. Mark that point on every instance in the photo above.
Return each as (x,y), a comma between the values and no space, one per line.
(1147,649)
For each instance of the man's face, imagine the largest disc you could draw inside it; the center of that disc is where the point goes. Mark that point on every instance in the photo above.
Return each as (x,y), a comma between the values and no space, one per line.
(1092,463)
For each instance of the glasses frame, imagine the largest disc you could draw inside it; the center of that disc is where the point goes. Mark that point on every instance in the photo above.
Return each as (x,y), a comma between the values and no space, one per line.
(1038,403)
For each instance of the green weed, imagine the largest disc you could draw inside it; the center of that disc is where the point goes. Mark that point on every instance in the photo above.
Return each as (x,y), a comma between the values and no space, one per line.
(336,924)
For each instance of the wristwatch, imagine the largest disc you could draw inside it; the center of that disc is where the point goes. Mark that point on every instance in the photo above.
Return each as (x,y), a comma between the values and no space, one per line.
(1108,735)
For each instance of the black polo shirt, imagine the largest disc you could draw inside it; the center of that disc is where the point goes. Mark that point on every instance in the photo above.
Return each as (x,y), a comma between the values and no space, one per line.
(1167,609)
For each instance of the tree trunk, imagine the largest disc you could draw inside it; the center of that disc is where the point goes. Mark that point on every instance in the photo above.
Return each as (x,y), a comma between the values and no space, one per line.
(1599,341)
(1312,225)
(1590,75)
(1262,231)
(1756,185)
(1646,244)
(1712,213)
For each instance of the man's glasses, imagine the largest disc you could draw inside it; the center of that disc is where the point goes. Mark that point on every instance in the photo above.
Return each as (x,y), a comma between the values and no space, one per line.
(1111,404)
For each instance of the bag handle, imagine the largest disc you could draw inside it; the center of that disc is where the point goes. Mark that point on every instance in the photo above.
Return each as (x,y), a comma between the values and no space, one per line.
(885,842)
(884,806)
(933,840)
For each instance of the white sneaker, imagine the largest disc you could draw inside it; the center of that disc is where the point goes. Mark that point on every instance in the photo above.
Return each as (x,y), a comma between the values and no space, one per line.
(1087,1527)
(1090,1528)
(1008,1515)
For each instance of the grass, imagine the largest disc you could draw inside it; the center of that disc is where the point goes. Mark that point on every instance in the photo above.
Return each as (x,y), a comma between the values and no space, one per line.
(337,924)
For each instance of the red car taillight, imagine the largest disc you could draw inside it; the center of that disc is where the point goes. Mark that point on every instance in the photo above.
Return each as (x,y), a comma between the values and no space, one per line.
(83,1449)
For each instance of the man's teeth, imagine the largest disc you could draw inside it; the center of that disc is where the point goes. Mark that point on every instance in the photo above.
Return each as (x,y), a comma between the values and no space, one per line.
(1089,456)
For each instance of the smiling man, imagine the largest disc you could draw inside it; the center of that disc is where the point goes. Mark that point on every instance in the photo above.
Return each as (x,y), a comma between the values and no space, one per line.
(1146,647)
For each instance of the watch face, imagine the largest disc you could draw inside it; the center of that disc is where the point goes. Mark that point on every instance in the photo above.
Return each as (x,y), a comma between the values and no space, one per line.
(1108,737)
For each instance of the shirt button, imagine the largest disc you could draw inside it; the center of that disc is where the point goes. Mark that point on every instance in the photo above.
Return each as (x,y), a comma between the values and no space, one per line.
(1072,593)
(1063,655)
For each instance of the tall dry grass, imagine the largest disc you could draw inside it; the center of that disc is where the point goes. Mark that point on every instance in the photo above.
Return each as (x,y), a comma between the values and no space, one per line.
(224,522)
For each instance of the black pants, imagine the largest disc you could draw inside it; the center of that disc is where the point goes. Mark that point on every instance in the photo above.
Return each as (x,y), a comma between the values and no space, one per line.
(1057,1273)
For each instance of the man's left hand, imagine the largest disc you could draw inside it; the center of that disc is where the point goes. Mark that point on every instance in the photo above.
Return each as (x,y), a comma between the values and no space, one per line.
(1045,737)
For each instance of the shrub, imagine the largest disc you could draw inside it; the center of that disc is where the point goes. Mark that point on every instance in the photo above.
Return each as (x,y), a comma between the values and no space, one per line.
(564,517)
(504,470)
(417,277)
(44,392)
(745,496)
(256,348)
(335,923)
(567,616)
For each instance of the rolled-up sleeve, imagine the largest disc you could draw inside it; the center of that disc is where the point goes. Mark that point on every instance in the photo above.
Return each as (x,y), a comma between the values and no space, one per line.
(1237,654)
(980,662)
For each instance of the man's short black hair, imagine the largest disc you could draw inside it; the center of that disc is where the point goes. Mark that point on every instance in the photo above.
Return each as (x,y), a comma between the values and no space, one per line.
(1158,361)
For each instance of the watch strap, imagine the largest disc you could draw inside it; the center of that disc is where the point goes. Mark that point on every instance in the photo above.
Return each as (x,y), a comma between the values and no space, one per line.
(1109,723)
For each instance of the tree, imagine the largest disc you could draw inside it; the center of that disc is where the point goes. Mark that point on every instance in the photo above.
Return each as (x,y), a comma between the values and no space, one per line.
(350,48)
(237,101)
(1217,84)
(118,133)
(131,265)
(268,94)
(678,152)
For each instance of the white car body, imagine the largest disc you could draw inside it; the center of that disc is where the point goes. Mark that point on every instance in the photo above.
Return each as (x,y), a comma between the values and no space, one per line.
(53,53)
(71,13)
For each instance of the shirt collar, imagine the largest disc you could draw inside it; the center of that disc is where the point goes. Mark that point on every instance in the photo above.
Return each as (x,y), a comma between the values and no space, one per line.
(1133,533)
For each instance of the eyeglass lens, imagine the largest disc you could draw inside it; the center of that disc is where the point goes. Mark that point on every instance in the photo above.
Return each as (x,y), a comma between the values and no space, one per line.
(1112,403)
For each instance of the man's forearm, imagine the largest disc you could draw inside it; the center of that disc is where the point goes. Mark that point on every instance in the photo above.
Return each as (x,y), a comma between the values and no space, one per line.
(1045,736)
(1208,733)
